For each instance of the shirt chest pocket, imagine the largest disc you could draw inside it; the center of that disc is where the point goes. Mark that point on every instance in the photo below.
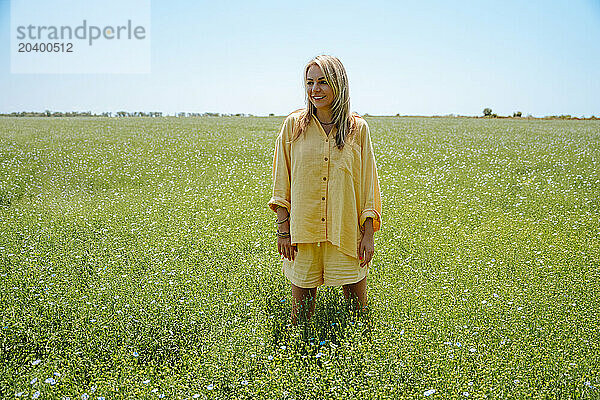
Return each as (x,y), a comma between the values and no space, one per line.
(349,160)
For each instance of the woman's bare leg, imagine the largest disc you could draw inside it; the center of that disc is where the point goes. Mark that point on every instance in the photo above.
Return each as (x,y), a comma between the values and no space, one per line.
(303,303)
(357,292)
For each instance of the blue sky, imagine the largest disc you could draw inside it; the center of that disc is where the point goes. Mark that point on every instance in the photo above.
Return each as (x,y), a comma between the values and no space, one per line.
(412,58)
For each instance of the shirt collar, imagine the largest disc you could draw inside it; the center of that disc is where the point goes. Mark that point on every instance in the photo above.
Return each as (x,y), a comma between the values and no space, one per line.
(315,121)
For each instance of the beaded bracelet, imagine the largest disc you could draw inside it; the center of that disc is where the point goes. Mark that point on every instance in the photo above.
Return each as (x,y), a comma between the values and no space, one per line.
(281,222)
(282,234)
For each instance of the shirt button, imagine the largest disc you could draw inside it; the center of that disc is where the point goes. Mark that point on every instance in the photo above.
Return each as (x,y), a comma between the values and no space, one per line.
(322,219)
(322,198)
(327,140)
(324,178)
(325,158)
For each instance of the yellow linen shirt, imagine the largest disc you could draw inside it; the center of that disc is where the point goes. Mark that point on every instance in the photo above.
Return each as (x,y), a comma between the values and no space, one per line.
(329,193)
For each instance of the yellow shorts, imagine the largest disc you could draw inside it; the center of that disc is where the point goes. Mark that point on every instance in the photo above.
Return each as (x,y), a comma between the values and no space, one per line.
(322,263)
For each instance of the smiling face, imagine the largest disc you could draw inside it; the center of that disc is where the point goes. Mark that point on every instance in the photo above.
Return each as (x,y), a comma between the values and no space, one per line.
(319,92)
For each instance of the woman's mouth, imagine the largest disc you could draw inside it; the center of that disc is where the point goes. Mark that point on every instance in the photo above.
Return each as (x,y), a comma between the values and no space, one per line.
(318,97)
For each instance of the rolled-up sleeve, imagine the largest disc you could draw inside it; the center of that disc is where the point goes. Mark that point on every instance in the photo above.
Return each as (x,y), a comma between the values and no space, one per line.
(282,169)
(370,196)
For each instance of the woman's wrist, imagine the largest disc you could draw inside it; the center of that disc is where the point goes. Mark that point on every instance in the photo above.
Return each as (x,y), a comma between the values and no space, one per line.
(368,226)
(285,227)
(283,222)
(282,212)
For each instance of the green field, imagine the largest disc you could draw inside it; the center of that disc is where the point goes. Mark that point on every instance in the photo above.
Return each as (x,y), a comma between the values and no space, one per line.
(138,259)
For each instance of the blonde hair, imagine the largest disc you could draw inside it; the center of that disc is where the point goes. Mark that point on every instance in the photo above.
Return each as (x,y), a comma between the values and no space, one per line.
(336,77)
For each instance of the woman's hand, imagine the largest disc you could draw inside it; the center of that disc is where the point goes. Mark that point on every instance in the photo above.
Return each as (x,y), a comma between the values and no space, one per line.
(367,243)
(285,248)
(284,244)
(366,249)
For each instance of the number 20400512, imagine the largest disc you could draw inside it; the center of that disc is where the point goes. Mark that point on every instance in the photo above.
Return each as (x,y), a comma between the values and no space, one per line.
(45,47)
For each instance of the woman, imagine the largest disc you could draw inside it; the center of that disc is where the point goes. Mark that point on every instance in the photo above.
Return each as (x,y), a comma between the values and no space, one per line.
(325,191)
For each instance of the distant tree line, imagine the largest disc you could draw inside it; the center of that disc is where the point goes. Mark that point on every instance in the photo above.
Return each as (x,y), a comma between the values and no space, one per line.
(119,114)
(487,113)
(49,113)
(135,114)
(211,114)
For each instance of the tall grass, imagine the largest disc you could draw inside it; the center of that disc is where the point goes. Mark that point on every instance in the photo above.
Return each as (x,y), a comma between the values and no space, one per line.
(138,260)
